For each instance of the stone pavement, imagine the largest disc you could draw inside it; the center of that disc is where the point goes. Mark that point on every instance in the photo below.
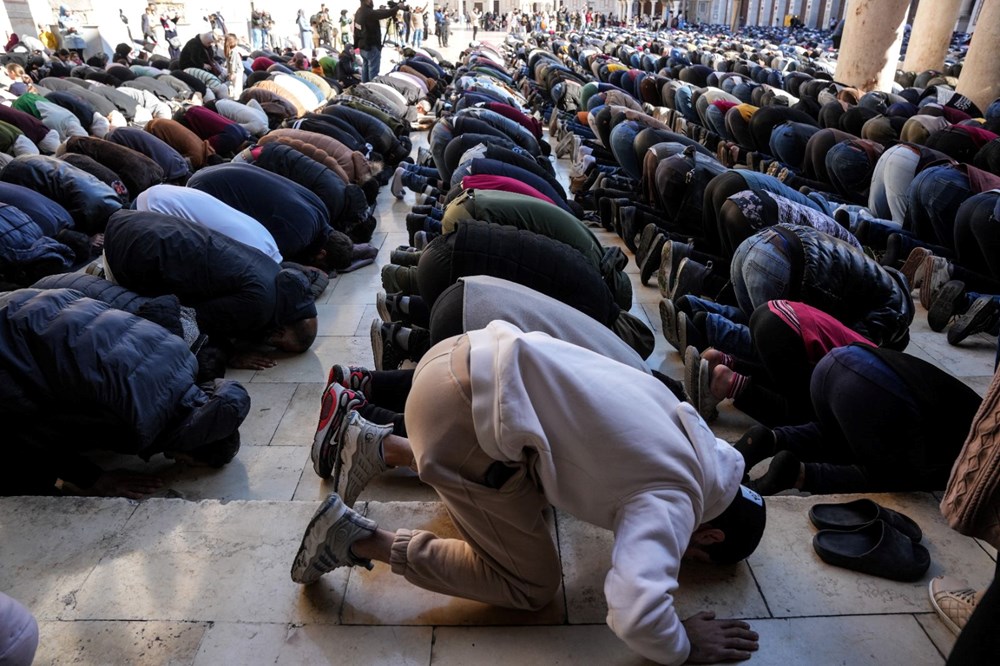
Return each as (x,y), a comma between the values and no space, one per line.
(199,574)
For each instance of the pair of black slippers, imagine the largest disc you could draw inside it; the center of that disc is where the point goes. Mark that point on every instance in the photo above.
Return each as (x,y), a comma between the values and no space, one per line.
(864,536)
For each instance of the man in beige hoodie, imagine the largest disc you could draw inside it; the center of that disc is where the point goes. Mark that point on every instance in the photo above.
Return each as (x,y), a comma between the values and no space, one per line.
(504,424)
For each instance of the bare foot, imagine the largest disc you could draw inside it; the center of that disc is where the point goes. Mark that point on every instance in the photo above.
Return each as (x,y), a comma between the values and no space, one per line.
(97,241)
(714,357)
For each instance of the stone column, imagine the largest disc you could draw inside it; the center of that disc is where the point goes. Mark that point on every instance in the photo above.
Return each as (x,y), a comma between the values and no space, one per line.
(752,12)
(980,79)
(931,34)
(869,50)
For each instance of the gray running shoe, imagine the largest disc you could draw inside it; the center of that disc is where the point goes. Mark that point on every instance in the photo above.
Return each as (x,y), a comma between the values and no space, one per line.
(326,545)
(359,457)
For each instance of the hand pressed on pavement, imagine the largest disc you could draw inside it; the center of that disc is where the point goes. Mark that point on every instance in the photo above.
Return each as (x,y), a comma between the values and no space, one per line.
(252,361)
(121,483)
(718,640)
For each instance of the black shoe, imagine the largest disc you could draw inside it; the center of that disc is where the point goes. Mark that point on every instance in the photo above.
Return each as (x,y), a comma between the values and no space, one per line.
(671,256)
(385,350)
(651,261)
(414,223)
(645,240)
(627,219)
(757,444)
(404,256)
(606,211)
(781,474)
(944,305)
(422,210)
(690,279)
(981,317)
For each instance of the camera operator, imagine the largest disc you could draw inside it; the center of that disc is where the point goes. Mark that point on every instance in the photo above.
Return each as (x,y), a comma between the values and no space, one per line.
(368,35)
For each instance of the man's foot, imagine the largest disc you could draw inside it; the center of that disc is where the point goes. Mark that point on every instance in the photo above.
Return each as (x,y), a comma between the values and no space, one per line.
(338,404)
(757,444)
(945,304)
(668,321)
(396,185)
(913,262)
(782,474)
(670,259)
(421,239)
(937,271)
(690,279)
(953,600)
(981,317)
(353,377)
(651,259)
(386,353)
(405,256)
(397,279)
(326,544)
(360,456)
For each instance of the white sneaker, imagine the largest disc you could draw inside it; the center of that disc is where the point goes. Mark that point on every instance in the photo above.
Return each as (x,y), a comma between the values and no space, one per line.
(396,186)
(326,544)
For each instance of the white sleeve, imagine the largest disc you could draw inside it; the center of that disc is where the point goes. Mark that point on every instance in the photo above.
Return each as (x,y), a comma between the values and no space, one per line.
(651,535)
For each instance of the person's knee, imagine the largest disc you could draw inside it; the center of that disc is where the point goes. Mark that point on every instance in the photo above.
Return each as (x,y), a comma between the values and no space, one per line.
(537,595)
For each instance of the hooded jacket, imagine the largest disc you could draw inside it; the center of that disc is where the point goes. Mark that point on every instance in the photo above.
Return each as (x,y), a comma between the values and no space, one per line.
(652,484)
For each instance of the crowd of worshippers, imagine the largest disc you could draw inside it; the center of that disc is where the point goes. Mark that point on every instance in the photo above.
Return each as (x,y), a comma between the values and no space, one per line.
(152,238)
(161,222)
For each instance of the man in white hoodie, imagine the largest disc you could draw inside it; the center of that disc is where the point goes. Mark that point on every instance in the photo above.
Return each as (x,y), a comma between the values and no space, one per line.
(504,424)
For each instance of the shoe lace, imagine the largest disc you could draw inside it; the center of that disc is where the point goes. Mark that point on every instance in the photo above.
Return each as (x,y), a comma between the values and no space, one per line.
(967,595)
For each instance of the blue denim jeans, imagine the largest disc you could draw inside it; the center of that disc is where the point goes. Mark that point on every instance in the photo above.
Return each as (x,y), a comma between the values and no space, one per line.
(622,145)
(934,197)
(761,270)
(371,62)
(716,121)
(726,327)
(788,142)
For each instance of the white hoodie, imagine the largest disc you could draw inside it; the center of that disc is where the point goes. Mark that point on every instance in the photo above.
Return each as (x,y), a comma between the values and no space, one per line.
(612,446)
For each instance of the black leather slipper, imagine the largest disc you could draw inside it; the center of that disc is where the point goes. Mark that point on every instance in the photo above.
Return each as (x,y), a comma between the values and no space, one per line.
(877,549)
(852,515)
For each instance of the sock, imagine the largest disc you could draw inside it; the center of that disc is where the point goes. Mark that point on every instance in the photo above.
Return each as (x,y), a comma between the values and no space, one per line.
(781,474)
(737,385)
(756,444)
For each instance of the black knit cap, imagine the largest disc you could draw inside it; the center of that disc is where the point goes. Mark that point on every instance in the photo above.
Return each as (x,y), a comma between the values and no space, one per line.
(743,524)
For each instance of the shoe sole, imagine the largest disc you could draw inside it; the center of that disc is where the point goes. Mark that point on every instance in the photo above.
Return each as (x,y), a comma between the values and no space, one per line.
(651,261)
(376,336)
(682,341)
(321,441)
(314,540)
(971,322)
(668,321)
(382,307)
(927,290)
(707,404)
(943,307)
(349,461)
(692,363)
(912,263)
(645,241)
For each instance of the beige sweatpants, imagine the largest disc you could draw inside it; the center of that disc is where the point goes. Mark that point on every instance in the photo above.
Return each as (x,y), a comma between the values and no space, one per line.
(507,557)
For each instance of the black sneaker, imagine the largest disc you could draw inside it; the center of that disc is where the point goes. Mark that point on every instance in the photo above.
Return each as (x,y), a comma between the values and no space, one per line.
(606,211)
(422,210)
(405,256)
(671,256)
(399,279)
(387,354)
(690,279)
(668,322)
(651,261)
(415,222)
(626,225)
(981,317)
(645,239)
(944,305)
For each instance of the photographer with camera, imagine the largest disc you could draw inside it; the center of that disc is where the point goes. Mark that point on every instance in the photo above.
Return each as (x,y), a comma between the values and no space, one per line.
(368,35)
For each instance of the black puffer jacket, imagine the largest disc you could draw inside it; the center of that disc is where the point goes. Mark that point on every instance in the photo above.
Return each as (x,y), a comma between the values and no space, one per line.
(56,349)
(237,291)
(87,199)
(345,202)
(833,276)
(541,263)
(96,288)
(75,372)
